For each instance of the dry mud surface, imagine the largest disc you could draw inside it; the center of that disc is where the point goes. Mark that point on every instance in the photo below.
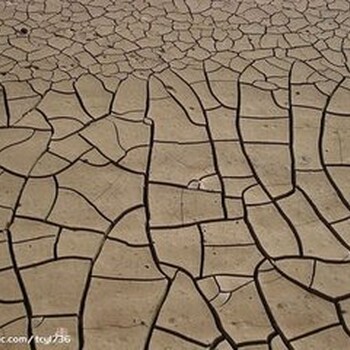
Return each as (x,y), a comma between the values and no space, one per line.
(175,175)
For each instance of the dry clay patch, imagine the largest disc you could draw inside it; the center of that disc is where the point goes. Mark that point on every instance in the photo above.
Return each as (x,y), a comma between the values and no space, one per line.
(195,203)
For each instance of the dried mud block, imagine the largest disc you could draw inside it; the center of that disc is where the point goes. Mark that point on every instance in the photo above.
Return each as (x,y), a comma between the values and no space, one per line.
(343,229)
(131,96)
(221,123)
(11,187)
(336,139)
(182,302)
(272,164)
(62,282)
(18,108)
(263,106)
(173,206)
(10,288)
(131,227)
(78,243)
(294,309)
(307,95)
(265,130)
(181,164)
(231,159)
(306,133)
(38,197)
(70,148)
(272,231)
(179,247)
(340,102)
(236,186)
(171,123)
(298,269)
(332,279)
(204,94)
(110,189)
(13,136)
(103,135)
(243,315)
(20,158)
(240,260)
(49,164)
(117,260)
(223,84)
(163,340)
(74,211)
(120,307)
(323,195)
(34,251)
(316,238)
(221,233)
(56,104)
(183,93)
(340,176)
(332,338)
(95,98)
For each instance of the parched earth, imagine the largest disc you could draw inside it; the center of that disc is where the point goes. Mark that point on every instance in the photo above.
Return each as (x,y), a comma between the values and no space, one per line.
(175,175)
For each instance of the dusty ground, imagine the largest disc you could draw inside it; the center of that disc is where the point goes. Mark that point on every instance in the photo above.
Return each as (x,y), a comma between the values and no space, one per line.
(175,174)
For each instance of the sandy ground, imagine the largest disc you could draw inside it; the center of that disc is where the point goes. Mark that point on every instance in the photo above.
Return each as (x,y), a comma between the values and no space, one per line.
(174,175)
